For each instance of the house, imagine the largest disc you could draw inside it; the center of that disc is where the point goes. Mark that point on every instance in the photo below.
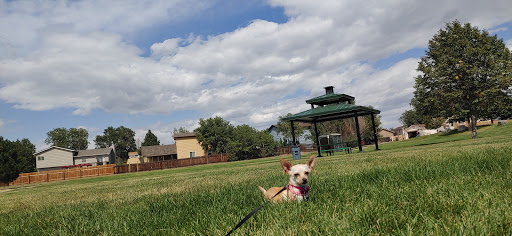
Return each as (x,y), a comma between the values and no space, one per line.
(418,130)
(187,145)
(303,139)
(386,135)
(53,158)
(159,153)
(102,156)
(133,158)
(413,131)
(56,158)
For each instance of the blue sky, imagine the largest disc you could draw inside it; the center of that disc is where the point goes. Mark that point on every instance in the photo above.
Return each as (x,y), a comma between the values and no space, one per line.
(162,65)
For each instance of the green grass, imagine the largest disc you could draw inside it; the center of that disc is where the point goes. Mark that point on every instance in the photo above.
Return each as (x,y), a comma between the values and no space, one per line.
(439,184)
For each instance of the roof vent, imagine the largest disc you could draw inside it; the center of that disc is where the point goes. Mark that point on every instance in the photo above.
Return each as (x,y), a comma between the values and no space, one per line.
(329,89)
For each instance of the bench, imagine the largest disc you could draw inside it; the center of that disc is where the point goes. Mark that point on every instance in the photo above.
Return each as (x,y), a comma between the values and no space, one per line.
(331,151)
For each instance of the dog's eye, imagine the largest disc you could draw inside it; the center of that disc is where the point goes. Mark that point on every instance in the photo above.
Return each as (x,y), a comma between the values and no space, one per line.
(297,175)
(307,173)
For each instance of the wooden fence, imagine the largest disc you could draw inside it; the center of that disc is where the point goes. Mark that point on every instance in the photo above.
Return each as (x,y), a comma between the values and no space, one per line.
(170,164)
(57,175)
(83,172)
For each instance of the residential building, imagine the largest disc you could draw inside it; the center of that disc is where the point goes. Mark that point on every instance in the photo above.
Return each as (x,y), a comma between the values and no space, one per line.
(187,145)
(386,135)
(159,153)
(56,158)
(101,156)
(53,158)
(133,158)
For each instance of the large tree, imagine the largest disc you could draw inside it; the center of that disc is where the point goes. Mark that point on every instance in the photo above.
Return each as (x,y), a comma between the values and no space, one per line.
(121,137)
(465,70)
(74,138)
(248,143)
(214,134)
(15,157)
(150,139)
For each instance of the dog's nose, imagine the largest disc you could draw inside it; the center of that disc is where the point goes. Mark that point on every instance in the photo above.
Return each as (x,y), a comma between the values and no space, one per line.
(304,180)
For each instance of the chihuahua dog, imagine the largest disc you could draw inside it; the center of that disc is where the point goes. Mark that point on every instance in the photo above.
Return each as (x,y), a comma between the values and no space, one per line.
(298,184)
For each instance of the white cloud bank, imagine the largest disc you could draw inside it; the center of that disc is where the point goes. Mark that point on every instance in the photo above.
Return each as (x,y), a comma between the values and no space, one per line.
(75,55)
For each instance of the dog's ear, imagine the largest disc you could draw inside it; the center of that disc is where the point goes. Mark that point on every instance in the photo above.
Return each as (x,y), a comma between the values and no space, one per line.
(311,162)
(287,166)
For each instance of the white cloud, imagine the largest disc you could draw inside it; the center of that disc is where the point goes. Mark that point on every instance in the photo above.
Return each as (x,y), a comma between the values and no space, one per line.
(35,18)
(508,43)
(74,60)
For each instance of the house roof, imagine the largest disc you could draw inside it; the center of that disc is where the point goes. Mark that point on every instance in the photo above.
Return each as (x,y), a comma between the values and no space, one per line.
(53,147)
(387,130)
(94,152)
(184,135)
(159,150)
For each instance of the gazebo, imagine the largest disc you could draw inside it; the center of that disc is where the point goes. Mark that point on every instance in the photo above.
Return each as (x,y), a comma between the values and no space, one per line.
(331,106)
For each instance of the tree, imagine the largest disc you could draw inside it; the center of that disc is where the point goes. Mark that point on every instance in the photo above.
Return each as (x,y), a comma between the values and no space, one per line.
(121,137)
(74,138)
(248,143)
(367,129)
(214,134)
(464,72)
(180,130)
(150,139)
(410,117)
(58,137)
(15,158)
(285,128)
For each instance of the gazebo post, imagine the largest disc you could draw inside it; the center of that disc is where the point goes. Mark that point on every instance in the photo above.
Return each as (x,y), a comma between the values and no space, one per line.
(376,140)
(358,133)
(293,134)
(317,140)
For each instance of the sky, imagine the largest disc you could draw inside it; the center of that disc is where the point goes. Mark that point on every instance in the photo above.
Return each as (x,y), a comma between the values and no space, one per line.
(159,65)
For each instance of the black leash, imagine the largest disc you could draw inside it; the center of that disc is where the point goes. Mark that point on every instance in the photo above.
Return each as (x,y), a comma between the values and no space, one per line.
(253,211)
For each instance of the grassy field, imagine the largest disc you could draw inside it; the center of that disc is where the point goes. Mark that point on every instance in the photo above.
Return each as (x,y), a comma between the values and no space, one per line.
(439,184)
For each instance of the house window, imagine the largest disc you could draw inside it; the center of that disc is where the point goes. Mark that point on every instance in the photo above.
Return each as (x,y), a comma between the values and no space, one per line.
(84,159)
(193,154)
(40,158)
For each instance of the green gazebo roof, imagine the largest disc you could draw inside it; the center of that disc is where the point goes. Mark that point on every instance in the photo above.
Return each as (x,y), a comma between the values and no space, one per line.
(331,106)
(331,112)
(330,98)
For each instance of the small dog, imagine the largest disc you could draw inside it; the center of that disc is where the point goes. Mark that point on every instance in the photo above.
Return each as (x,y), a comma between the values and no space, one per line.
(298,185)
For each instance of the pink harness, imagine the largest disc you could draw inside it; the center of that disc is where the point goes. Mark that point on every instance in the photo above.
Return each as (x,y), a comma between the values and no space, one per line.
(297,191)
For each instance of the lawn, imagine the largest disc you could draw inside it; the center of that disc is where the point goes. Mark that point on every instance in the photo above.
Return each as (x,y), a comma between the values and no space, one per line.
(439,184)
